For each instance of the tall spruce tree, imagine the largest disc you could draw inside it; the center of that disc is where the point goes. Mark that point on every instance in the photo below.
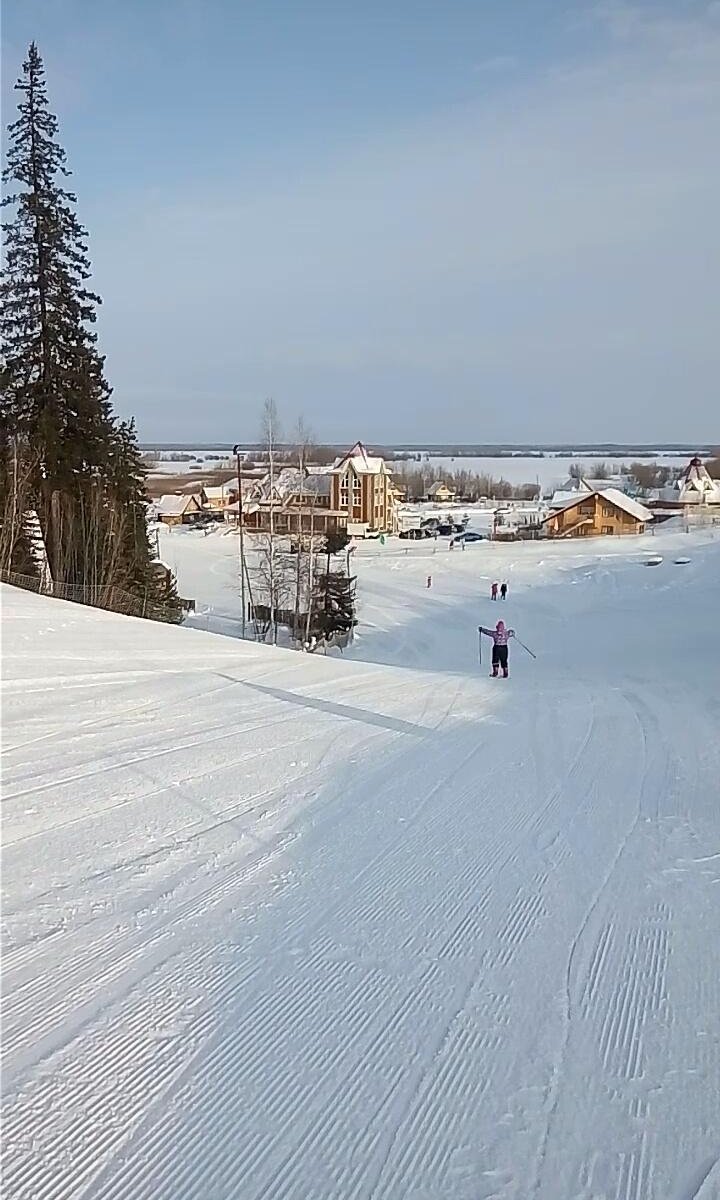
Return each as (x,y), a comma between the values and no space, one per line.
(87,485)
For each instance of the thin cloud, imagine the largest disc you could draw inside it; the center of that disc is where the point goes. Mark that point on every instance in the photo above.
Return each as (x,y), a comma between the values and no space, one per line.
(550,246)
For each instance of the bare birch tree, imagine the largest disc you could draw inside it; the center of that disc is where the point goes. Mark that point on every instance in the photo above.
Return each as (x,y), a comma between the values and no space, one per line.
(303,446)
(271,434)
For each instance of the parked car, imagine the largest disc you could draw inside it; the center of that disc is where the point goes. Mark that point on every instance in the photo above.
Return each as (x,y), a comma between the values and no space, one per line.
(471,535)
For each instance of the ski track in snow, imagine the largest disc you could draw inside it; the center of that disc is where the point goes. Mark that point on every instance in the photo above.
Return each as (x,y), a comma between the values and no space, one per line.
(283,927)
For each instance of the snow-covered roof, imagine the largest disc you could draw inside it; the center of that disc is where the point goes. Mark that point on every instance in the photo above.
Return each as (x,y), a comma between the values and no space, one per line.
(618,483)
(362,462)
(215,493)
(439,487)
(583,483)
(696,485)
(291,481)
(175,506)
(575,484)
(566,497)
(317,485)
(633,507)
(611,496)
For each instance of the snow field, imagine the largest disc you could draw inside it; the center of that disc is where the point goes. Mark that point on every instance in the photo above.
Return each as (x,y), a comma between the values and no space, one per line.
(289,926)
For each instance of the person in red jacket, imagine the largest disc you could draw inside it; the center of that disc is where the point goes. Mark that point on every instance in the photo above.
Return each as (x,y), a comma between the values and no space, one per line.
(494,592)
(500,637)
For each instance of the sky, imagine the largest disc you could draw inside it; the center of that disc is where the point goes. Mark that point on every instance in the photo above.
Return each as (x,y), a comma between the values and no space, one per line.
(408,221)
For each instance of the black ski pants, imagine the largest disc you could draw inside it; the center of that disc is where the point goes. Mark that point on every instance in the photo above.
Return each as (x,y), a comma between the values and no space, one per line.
(500,657)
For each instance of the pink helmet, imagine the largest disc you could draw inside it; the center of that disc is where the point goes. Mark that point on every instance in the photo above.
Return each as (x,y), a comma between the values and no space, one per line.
(500,625)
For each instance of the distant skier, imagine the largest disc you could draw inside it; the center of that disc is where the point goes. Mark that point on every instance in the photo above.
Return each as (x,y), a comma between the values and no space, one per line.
(494,592)
(503,591)
(500,636)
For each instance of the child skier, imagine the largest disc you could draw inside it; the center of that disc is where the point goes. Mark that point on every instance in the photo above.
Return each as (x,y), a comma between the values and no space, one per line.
(494,592)
(500,636)
(503,591)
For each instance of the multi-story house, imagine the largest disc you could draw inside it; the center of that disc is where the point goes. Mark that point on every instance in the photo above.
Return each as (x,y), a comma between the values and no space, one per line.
(361,486)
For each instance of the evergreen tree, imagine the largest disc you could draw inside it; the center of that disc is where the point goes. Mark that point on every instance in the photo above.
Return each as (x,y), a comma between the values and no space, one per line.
(87,486)
(338,614)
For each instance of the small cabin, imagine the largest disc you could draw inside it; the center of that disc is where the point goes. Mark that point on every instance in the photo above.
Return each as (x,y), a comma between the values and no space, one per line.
(440,493)
(179,510)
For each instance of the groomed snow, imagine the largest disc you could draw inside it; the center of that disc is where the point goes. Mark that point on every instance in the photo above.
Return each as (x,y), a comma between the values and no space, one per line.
(280,926)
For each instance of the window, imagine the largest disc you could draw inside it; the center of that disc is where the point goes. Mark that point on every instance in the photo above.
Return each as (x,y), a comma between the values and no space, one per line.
(587,510)
(608,510)
(607,529)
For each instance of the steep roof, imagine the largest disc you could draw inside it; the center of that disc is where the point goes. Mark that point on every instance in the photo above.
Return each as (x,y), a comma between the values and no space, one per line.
(175,506)
(575,483)
(696,485)
(362,462)
(440,486)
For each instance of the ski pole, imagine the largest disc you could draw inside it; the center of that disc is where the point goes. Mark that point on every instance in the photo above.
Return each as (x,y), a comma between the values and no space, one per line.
(517,639)
(480,646)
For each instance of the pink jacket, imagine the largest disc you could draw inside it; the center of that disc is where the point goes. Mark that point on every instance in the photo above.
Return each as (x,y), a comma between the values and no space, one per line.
(499,636)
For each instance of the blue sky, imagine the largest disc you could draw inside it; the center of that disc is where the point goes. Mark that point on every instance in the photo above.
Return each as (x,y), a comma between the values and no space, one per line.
(417,221)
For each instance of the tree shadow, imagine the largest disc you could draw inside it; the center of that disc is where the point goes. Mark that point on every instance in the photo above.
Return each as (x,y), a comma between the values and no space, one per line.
(350,712)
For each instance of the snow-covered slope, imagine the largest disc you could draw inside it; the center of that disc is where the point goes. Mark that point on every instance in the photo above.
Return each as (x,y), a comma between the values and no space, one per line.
(280,926)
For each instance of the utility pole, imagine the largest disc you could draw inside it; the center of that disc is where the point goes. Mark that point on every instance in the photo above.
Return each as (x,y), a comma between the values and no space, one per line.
(270,422)
(241,541)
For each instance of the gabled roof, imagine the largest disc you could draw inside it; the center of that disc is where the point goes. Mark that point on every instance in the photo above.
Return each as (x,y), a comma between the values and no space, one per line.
(611,496)
(620,500)
(175,506)
(362,462)
(215,493)
(440,486)
(576,483)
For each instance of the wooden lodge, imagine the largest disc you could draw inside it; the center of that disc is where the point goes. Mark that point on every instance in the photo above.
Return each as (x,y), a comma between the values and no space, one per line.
(598,514)
(180,510)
